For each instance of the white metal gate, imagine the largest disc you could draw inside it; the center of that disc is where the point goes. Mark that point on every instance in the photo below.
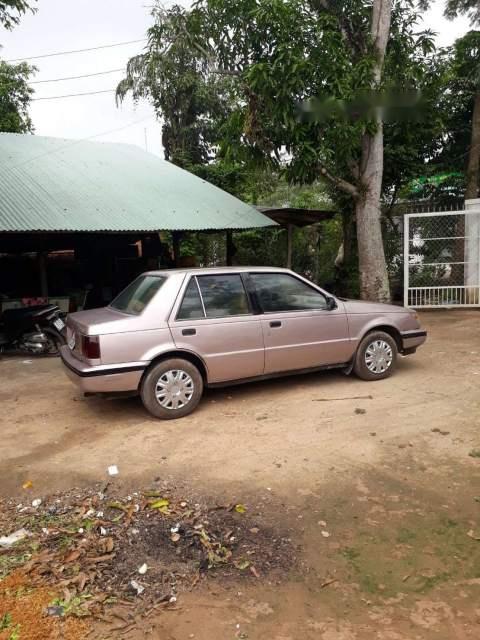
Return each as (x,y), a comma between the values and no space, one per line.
(442,258)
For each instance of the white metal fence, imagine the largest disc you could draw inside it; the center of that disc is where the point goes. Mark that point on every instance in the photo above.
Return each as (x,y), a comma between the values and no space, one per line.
(442,258)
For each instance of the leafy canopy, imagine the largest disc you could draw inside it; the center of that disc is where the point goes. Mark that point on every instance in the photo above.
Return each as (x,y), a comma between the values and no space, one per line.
(15,95)
(173,74)
(12,10)
(285,54)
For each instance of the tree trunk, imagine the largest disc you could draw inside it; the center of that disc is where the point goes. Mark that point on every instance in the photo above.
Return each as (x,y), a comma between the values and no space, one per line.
(374,283)
(473,167)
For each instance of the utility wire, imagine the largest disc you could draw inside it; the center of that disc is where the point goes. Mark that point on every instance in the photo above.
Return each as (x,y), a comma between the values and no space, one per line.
(85,75)
(74,95)
(65,53)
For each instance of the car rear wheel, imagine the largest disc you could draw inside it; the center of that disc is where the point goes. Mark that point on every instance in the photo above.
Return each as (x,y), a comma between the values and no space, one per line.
(376,356)
(172,389)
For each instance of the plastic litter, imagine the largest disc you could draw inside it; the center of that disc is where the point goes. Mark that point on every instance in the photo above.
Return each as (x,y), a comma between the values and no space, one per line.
(8,541)
(113,470)
(137,587)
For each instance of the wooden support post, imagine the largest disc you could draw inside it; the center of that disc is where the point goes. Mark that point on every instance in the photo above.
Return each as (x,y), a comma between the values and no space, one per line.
(176,237)
(230,248)
(289,245)
(42,267)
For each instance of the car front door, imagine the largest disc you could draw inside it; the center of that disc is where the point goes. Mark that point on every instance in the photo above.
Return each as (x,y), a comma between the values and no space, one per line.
(299,329)
(214,320)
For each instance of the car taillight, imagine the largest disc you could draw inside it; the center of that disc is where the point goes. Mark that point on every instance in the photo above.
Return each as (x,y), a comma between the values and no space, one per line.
(91,347)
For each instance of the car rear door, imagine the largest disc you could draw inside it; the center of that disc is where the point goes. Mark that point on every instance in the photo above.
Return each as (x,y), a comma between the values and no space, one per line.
(299,329)
(214,319)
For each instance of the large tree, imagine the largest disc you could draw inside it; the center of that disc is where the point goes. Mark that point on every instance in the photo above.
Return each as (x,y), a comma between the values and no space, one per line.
(15,96)
(15,93)
(173,75)
(337,60)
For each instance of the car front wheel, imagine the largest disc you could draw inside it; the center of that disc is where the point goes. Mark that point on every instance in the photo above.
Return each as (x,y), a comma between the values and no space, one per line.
(172,389)
(376,356)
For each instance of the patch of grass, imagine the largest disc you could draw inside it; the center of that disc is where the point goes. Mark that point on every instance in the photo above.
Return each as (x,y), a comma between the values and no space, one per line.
(474,453)
(405,536)
(72,607)
(6,625)
(350,553)
(10,562)
(429,582)
(368,583)
(5,621)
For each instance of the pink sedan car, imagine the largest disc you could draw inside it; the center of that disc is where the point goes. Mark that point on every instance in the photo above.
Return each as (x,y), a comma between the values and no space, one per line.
(171,333)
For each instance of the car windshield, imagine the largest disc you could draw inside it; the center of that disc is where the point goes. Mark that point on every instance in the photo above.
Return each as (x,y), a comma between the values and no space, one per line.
(138,294)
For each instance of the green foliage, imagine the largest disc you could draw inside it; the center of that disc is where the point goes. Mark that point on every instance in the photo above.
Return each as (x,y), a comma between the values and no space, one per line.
(453,80)
(12,10)
(288,53)
(469,8)
(173,74)
(15,95)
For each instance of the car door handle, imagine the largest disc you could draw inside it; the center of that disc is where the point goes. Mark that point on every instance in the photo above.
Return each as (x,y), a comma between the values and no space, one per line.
(275,323)
(189,332)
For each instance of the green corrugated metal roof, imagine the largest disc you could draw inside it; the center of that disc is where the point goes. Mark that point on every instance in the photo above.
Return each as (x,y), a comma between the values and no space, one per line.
(53,184)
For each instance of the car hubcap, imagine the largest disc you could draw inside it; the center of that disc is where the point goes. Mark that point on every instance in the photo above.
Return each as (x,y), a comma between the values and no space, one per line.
(378,356)
(174,389)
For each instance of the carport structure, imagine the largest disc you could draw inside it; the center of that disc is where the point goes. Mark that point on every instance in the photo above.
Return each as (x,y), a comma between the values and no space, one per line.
(99,199)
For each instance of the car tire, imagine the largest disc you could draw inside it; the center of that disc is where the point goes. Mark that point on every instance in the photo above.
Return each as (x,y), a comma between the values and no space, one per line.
(376,356)
(182,386)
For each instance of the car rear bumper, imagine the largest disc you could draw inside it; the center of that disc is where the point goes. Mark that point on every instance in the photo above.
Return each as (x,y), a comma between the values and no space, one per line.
(411,340)
(103,378)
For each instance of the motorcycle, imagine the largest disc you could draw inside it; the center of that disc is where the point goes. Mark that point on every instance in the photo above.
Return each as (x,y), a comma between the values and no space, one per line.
(37,330)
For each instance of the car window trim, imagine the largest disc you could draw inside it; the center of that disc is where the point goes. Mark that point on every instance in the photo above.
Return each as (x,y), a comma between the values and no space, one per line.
(291,275)
(177,319)
(201,297)
(254,303)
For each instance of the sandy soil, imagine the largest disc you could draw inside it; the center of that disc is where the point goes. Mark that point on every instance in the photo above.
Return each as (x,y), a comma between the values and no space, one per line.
(394,487)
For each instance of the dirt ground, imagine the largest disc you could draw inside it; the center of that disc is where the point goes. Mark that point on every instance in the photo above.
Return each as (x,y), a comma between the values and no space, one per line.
(384,502)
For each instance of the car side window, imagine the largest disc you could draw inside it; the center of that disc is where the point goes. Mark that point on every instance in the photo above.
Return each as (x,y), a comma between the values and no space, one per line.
(283,292)
(191,307)
(223,295)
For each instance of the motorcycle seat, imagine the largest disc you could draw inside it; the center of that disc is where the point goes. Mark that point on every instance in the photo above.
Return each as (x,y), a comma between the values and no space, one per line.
(35,311)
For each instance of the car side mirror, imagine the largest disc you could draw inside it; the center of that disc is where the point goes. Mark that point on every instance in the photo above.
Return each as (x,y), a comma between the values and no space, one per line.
(331,303)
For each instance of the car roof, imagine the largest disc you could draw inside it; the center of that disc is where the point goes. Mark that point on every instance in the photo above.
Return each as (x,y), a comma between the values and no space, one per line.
(212,270)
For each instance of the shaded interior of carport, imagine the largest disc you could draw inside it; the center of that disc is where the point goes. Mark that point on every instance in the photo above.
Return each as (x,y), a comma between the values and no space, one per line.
(78,216)
(79,220)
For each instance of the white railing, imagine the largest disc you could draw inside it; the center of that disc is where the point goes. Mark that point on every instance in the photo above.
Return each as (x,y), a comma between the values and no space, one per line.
(442,258)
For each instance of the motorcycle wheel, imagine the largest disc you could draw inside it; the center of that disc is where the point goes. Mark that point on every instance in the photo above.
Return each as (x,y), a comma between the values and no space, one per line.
(52,348)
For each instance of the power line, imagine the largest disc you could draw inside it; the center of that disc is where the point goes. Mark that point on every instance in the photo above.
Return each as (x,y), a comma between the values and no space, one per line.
(74,95)
(85,75)
(65,53)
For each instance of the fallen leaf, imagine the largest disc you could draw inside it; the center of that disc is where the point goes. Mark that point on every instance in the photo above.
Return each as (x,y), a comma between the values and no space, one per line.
(27,485)
(175,537)
(240,508)
(254,571)
(72,556)
(161,505)
(242,564)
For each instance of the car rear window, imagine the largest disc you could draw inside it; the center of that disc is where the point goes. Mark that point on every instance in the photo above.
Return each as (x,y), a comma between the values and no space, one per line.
(138,294)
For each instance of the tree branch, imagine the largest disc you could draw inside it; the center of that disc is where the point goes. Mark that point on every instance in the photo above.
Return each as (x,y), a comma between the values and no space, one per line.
(340,183)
